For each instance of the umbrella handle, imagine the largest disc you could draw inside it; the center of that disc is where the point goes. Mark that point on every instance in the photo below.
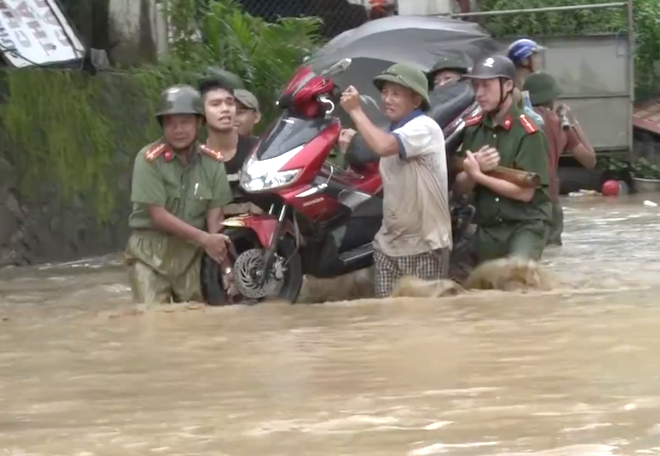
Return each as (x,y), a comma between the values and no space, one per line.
(337,67)
(366,99)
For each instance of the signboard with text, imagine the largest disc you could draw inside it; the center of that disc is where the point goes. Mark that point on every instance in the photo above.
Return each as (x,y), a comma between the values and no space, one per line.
(36,32)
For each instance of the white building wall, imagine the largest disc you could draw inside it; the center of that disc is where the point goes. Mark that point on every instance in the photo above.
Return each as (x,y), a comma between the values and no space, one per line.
(426,7)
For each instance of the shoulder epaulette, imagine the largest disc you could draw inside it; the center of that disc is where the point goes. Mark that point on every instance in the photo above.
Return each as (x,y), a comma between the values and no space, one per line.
(474,120)
(529,125)
(155,151)
(214,154)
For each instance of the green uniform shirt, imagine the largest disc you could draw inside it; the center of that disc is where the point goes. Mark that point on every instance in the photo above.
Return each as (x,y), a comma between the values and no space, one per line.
(186,191)
(521,145)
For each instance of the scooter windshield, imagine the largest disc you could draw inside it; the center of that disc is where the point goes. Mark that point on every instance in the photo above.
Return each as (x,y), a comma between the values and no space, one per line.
(287,133)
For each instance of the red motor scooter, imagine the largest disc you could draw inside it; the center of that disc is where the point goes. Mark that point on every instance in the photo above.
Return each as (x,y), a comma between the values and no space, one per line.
(321,218)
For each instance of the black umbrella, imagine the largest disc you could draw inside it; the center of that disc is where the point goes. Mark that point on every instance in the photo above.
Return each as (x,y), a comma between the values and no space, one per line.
(416,40)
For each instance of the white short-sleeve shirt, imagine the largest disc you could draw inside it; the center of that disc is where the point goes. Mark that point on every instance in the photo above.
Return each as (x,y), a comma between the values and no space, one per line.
(416,216)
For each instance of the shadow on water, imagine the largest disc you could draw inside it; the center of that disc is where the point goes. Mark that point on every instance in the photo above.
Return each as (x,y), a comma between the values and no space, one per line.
(566,371)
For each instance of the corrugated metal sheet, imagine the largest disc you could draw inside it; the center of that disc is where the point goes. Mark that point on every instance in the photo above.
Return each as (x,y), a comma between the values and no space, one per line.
(647,116)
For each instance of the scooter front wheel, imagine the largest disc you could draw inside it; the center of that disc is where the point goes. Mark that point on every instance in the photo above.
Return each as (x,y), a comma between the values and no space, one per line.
(284,279)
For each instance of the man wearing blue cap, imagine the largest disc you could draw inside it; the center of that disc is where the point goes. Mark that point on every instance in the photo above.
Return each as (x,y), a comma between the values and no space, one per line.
(527,58)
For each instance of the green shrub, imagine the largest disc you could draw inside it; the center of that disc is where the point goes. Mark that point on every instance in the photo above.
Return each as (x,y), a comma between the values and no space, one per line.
(265,55)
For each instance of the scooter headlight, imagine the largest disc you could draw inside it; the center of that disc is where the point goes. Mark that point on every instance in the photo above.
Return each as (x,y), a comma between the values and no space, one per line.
(258,176)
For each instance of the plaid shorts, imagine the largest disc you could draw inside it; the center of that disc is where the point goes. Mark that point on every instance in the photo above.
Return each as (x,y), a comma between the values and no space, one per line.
(432,265)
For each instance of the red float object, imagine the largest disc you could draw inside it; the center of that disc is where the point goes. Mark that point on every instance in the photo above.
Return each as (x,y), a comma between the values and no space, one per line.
(610,188)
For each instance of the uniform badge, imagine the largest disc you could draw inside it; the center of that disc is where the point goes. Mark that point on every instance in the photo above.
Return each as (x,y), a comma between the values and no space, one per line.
(158,149)
(154,151)
(529,126)
(215,154)
(474,120)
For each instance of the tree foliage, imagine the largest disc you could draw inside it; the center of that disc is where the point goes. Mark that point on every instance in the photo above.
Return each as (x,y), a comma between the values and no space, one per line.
(219,33)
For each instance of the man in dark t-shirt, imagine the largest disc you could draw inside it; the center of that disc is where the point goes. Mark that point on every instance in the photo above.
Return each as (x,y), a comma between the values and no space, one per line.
(220,111)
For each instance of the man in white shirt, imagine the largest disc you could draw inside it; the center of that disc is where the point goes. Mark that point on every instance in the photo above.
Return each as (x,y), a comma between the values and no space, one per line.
(415,239)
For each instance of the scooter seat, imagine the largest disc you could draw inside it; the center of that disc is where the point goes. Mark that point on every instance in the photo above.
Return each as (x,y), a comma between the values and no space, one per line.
(448,102)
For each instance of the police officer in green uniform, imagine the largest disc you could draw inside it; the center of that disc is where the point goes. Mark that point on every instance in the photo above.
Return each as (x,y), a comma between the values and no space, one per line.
(178,190)
(512,220)
(445,71)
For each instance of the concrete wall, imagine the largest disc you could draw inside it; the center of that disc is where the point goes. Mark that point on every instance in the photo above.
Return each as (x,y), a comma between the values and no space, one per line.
(162,32)
(38,224)
(133,30)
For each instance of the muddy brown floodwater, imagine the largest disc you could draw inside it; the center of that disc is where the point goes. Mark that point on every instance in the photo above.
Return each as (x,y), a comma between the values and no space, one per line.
(570,372)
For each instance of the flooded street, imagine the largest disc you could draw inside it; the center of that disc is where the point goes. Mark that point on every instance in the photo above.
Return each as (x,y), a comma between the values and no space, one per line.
(568,372)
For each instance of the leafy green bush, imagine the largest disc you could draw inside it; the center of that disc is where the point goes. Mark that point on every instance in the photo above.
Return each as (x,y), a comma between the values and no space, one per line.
(265,55)
(645,169)
(578,22)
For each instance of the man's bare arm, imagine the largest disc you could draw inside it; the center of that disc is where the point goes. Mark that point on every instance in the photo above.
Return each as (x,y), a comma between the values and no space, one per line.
(505,188)
(463,184)
(214,219)
(488,159)
(583,152)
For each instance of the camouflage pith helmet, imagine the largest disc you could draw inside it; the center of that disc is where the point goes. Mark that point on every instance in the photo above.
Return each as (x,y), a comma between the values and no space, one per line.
(406,76)
(449,64)
(180,99)
(542,88)
(215,74)
(446,64)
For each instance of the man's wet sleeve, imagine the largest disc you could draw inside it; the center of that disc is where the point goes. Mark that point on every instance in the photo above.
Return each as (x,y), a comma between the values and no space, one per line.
(147,187)
(221,191)
(416,138)
(533,157)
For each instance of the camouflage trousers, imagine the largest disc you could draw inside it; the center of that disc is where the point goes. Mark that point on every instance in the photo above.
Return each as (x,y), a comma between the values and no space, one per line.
(163,269)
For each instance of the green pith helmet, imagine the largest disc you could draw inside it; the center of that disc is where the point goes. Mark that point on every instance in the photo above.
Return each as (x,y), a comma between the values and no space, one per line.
(406,76)
(180,99)
(213,74)
(542,88)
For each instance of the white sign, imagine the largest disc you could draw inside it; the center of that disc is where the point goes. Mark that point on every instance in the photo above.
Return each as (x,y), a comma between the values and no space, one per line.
(35,32)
